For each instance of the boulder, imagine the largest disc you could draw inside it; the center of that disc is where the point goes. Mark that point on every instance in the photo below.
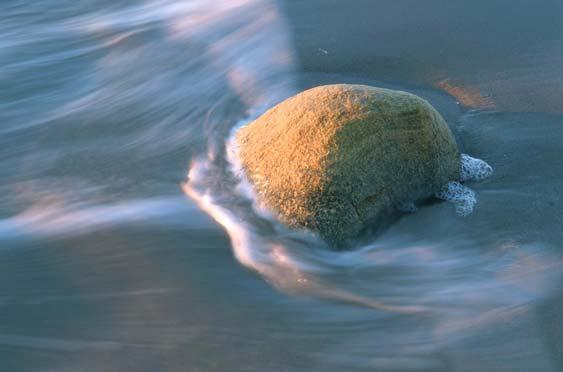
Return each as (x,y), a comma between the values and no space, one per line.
(334,159)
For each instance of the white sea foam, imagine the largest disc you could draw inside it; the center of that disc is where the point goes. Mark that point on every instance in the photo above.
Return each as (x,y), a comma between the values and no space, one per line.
(473,169)
(461,196)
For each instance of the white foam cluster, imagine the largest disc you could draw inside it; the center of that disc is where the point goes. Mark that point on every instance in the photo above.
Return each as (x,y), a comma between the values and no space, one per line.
(473,169)
(462,196)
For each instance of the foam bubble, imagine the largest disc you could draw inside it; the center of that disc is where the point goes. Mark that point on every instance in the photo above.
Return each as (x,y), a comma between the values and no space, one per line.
(473,169)
(462,196)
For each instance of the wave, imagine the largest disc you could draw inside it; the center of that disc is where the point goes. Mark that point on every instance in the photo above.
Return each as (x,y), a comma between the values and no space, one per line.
(299,262)
(109,103)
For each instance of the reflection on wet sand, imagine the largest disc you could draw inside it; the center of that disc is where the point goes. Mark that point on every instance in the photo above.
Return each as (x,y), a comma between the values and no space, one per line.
(467,96)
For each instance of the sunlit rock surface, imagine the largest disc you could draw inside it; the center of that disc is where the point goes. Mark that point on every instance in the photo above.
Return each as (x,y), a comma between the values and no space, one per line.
(336,158)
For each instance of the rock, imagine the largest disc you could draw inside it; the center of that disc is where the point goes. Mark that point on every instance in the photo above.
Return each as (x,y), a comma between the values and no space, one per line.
(336,158)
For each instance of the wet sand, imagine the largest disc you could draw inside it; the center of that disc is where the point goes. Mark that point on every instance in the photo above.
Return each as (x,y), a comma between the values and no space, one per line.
(507,52)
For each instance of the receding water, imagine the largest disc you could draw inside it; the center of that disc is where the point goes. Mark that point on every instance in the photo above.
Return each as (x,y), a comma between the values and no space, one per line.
(129,241)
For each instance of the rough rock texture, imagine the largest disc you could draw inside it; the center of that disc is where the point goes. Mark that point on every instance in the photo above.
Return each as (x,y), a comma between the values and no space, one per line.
(336,157)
